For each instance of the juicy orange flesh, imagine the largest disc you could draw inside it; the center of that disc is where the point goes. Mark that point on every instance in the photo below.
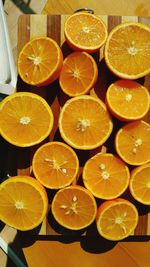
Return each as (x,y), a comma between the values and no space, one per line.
(44,165)
(120,212)
(127,139)
(78,73)
(94,113)
(98,168)
(85,208)
(20,107)
(128,99)
(129,50)
(85,30)
(43,50)
(141,184)
(23,194)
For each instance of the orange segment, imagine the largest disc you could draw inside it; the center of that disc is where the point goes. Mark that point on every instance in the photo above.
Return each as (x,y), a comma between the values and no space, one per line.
(40,61)
(127,50)
(116,219)
(84,122)
(55,165)
(133,143)
(25,119)
(74,207)
(79,74)
(140,184)
(24,202)
(84,31)
(128,100)
(106,176)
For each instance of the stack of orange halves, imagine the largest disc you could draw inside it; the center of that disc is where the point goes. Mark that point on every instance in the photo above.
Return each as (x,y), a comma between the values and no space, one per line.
(85,123)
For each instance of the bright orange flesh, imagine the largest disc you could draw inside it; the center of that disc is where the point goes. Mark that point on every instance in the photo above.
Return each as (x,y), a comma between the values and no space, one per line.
(74,207)
(127,50)
(128,100)
(79,74)
(40,61)
(25,119)
(86,32)
(55,165)
(140,184)
(116,219)
(23,202)
(106,176)
(84,122)
(133,142)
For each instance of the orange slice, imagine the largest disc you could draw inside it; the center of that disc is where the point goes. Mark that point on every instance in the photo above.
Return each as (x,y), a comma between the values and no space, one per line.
(128,100)
(74,207)
(84,31)
(25,119)
(127,50)
(133,143)
(106,176)
(116,219)
(84,122)
(40,61)
(78,74)
(24,202)
(140,184)
(55,165)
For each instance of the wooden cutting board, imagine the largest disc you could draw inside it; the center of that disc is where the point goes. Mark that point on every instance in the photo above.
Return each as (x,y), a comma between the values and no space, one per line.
(19,159)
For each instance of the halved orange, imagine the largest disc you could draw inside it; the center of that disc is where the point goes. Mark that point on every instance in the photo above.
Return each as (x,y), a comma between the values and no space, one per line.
(23,202)
(127,50)
(106,176)
(133,142)
(78,74)
(116,219)
(86,32)
(140,184)
(26,119)
(84,122)
(128,100)
(55,165)
(74,207)
(40,61)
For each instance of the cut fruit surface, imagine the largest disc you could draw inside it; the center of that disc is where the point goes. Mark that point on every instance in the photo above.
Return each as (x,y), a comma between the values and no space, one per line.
(40,61)
(55,165)
(116,219)
(86,32)
(140,184)
(84,122)
(78,74)
(106,176)
(23,202)
(74,207)
(133,142)
(128,100)
(127,50)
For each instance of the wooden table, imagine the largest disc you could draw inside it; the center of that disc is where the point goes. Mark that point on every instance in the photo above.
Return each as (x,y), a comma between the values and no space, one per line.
(71,254)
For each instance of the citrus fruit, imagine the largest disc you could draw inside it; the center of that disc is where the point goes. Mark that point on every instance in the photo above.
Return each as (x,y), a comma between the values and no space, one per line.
(24,202)
(84,31)
(74,207)
(133,142)
(127,50)
(84,122)
(40,61)
(116,219)
(128,100)
(78,74)
(140,184)
(106,176)
(25,119)
(55,165)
